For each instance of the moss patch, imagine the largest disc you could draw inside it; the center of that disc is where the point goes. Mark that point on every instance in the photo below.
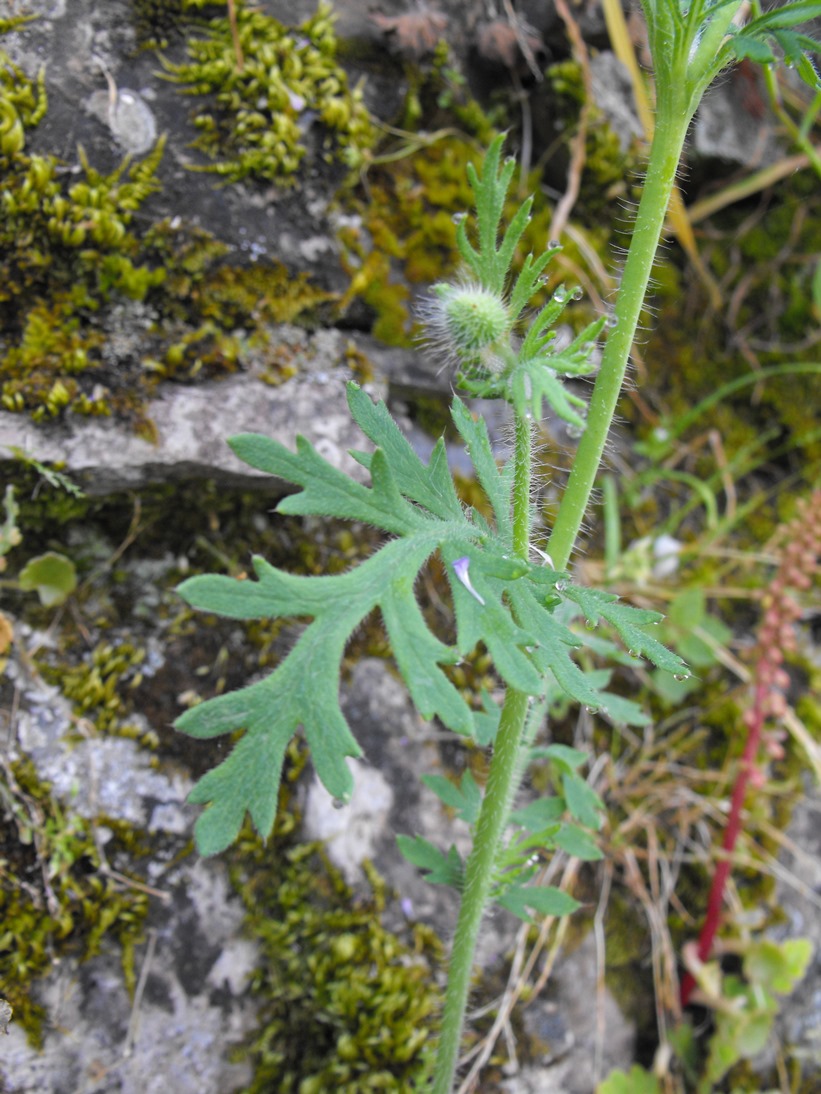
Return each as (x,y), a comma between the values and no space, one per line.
(55,896)
(268,85)
(92,314)
(346,1004)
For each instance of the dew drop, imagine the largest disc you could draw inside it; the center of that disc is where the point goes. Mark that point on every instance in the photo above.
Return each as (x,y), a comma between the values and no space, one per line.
(592,710)
(681,676)
(591,624)
(634,654)
(560,586)
(560,295)
(339,803)
(611,322)
(554,245)
(459,218)
(577,293)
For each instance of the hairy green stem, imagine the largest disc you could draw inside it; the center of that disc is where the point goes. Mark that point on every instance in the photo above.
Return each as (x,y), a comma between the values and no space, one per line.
(665,154)
(502,784)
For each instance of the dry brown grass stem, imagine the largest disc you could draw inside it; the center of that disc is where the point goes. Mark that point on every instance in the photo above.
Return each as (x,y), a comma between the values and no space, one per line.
(521,969)
(561,214)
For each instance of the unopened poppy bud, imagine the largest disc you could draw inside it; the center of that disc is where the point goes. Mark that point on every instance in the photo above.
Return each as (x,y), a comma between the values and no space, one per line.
(467,322)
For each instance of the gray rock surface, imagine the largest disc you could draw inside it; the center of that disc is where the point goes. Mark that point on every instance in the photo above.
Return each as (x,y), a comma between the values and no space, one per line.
(195,966)
(584,1033)
(734,130)
(614,97)
(193,423)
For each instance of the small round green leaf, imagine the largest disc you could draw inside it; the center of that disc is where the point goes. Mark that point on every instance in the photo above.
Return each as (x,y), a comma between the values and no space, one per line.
(52,576)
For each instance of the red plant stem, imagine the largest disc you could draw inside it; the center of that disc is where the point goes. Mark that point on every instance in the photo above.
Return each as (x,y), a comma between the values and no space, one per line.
(722,871)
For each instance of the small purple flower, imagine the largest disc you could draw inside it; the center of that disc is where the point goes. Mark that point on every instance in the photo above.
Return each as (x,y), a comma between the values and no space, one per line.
(296,101)
(460,567)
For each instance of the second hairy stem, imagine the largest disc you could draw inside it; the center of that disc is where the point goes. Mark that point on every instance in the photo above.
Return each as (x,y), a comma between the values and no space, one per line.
(502,784)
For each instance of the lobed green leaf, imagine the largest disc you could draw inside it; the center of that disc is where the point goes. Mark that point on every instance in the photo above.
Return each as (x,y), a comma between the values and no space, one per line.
(441,869)
(499,599)
(465,798)
(544,899)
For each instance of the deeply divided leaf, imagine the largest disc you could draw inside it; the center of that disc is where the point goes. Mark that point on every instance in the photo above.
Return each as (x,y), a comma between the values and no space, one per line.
(499,600)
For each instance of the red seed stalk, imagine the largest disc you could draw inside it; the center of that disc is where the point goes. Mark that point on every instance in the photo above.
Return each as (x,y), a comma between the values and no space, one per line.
(801,547)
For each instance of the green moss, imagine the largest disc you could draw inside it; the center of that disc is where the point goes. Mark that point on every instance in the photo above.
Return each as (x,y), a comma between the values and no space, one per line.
(609,174)
(99,687)
(66,251)
(255,129)
(55,898)
(346,1005)
(156,22)
(73,272)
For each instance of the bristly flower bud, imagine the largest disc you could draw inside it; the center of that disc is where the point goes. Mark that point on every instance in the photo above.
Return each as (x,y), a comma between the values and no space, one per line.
(466,323)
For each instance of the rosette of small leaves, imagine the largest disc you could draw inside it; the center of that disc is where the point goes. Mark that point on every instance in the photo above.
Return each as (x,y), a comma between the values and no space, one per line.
(527,372)
(499,600)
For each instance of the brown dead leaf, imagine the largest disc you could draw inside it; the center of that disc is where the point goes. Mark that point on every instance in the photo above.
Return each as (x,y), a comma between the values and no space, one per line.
(6,633)
(501,43)
(414,35)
